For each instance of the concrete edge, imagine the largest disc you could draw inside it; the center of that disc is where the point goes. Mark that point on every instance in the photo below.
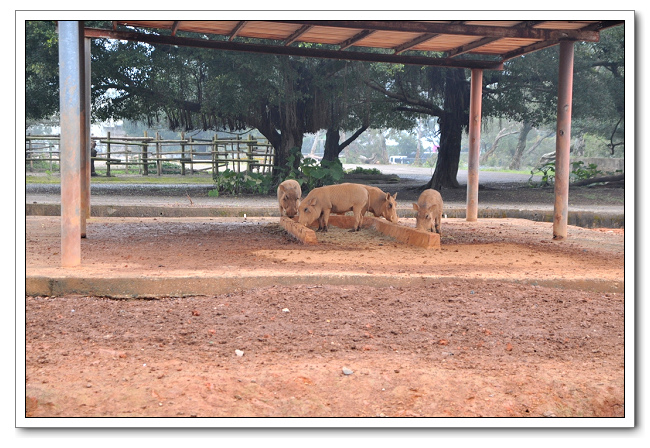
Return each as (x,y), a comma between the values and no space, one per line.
(149,287)
(585,219)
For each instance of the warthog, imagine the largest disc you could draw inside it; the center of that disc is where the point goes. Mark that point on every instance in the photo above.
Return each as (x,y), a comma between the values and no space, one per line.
(382,204)
(289,193)
(429,208)
(341,198)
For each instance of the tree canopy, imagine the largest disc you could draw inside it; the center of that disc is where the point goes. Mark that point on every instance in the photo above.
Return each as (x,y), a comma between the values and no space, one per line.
(287,97)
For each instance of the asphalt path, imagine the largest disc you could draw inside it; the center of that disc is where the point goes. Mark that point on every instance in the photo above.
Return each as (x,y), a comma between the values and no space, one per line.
(419,174)
(425,174)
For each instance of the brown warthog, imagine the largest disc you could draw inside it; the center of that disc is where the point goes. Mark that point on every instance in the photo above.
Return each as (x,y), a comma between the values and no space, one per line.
(341,198)
(289,193)
(382,204)
(429,208)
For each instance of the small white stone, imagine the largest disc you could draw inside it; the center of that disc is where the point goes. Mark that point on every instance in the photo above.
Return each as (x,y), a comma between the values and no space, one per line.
(239,353)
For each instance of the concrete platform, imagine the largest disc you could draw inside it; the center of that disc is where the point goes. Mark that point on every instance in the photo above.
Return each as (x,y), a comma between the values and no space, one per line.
(58,281)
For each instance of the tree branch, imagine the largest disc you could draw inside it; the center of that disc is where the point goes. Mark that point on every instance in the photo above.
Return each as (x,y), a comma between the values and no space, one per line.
(352,138)
(422,106)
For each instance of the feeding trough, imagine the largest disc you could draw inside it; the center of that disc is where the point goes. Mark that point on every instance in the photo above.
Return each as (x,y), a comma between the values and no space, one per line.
(403,234)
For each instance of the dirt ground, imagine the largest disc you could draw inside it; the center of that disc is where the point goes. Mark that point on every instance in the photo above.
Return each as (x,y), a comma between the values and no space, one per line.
(502,321)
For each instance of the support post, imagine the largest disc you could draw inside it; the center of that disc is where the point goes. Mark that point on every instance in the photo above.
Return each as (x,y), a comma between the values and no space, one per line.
(563,141)
(71,144)
(85,150)
(474,144)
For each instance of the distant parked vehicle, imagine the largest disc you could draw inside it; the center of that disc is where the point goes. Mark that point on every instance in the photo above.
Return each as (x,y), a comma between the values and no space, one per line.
(401,160)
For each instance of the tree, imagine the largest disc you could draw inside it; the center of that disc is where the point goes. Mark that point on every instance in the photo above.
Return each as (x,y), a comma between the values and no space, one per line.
(281,96)
(41,71)
(526,90)
(442,93)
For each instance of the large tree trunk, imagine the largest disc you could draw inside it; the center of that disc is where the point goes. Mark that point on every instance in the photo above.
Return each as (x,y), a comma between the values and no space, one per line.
(526,127)
(332,146)
(283,142)
(290,139)
(444,176)
(452,122)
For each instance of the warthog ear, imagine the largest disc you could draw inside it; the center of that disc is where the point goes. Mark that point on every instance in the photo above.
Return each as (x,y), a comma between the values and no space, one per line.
(395,195)
(313,201)
(415,206)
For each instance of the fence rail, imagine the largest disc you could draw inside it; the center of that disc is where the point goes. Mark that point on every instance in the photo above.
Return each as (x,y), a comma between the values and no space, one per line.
(237,154)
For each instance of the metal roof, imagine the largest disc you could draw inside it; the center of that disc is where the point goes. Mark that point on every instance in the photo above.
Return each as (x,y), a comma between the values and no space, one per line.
(468,44)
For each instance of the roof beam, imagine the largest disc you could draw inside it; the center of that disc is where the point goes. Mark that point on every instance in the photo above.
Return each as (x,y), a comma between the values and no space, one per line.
(354,39)
(236,29)
(291,51)
(412,43)
(454,28)
(487,40)
(530,49)
(296,34)
(175,26)
(471,46)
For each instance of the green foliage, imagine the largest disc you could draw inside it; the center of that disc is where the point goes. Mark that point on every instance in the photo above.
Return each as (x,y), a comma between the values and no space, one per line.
(362,170)
(42,165)
(309,173)
(41,70)
(291,170)
(578,172)
(233,183)
(548,175)
(317,175)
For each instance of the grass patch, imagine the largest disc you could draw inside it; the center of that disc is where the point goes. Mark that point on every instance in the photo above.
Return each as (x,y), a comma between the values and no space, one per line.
(129,179)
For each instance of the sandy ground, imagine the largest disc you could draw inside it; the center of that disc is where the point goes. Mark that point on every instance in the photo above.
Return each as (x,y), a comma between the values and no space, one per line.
(502,321)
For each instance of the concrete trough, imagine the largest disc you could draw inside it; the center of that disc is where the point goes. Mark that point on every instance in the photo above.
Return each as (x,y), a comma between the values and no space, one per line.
(303,234)
(403,234)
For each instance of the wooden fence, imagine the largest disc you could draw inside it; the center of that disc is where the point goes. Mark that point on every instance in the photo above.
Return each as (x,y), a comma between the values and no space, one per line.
(145,153)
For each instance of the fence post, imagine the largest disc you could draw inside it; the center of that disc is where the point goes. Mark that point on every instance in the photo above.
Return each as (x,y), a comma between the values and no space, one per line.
(182,153)
(158,160)
(213,152)
(50,146)
(249,155)
(191,155)
(29,153)
(238,154)
(108,155)
(145,157)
